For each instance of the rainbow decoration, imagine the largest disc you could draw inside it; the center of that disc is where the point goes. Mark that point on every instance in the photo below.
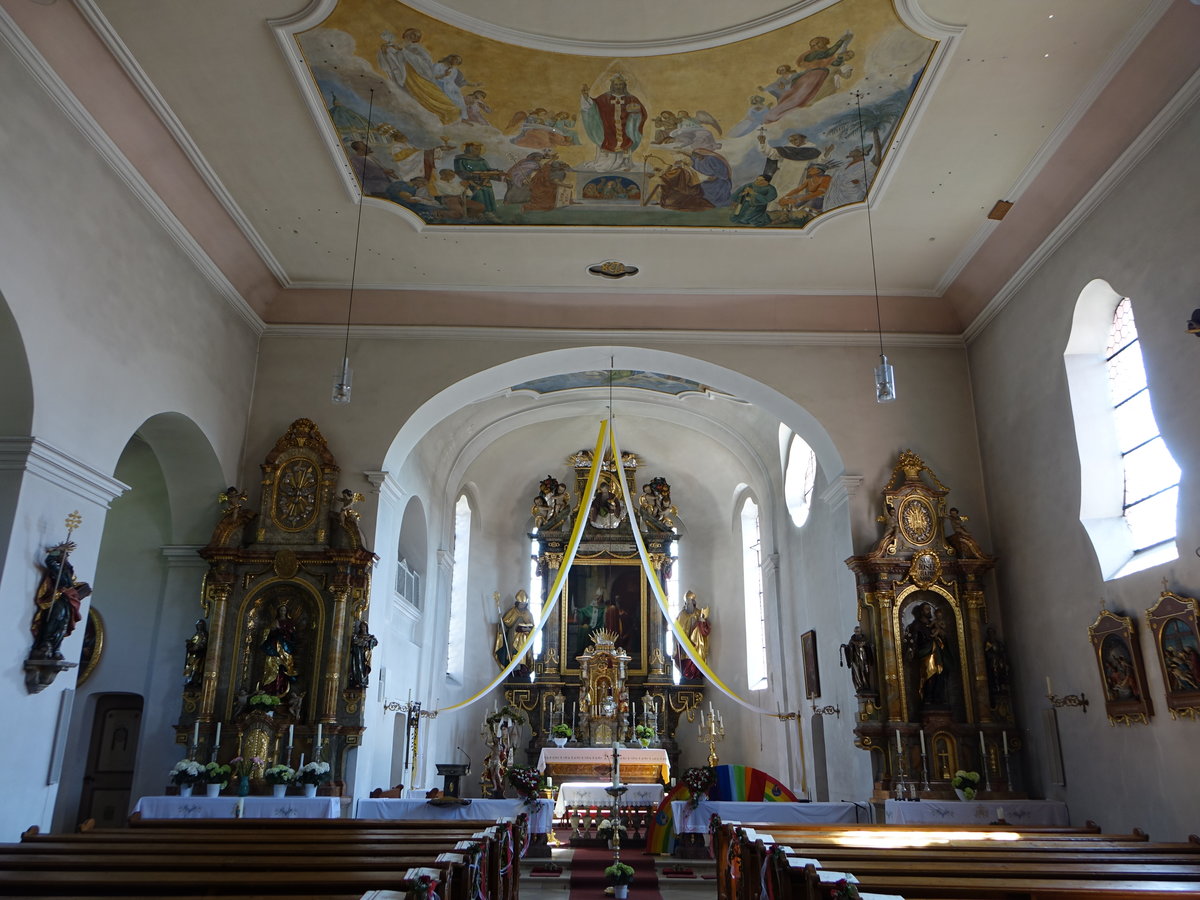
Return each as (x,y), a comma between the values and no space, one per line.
(739,783)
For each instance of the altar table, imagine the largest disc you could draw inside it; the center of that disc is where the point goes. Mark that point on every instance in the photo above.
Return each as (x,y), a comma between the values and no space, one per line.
(972,812)
(482,810)
(638,764)
(226,807)
(575,794)
(695,821)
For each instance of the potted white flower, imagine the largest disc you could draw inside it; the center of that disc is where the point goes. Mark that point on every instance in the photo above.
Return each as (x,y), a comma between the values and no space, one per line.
(312,774)
(620,876)
(187,773)
(279,777)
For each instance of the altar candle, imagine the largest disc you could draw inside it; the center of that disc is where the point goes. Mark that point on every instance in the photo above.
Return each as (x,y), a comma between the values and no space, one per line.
(616,766)
(899,749)
(1000,813)
(320,732)
(196,734)
(574,716)
(982,750)
(301,760)
(1049,690)
(291,734)
(1004,737)
(922,741)
(217,739)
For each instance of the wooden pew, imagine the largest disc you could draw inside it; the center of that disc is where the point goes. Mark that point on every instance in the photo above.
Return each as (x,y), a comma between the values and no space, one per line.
(335,858)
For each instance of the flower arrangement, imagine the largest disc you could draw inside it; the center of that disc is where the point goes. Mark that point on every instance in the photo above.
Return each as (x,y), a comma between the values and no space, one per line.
(526,780)
(699,781)
(315,772)
(187,771)
(244,766)
(843,890)
(562,731)
(279,774)
(644,733)
(263,700)
(967,782)
(619,873)
(217,773)
(604,830)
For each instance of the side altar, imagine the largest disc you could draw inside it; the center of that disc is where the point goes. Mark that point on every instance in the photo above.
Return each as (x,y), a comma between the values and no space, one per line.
(604,669)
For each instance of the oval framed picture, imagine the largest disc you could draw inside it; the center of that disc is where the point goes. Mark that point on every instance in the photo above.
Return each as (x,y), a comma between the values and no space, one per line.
(93,646)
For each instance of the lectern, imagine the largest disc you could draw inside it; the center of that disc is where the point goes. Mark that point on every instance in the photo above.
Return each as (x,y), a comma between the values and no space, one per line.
(452,772)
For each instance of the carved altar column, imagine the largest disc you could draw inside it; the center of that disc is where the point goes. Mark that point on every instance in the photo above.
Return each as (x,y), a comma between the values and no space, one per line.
(217,596)
(975,613)
(336,658)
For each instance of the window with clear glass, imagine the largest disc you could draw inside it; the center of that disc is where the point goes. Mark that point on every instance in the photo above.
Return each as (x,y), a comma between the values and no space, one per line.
(456,633)
(799,478)
(752,582)
(1151,492)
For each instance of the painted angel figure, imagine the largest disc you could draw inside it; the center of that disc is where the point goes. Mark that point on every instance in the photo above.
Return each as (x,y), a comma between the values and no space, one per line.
(552,500)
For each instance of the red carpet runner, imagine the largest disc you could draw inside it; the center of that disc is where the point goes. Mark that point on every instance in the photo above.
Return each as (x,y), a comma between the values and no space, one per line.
(588,881)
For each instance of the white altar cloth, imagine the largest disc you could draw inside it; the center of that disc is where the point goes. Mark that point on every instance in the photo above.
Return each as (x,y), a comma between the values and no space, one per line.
(226,807)
(477,810)
(970,812)
(574,794)
(695,821)
(602,756)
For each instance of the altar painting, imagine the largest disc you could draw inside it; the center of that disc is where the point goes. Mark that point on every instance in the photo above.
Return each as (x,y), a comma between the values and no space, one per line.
(604,595)
(454,128)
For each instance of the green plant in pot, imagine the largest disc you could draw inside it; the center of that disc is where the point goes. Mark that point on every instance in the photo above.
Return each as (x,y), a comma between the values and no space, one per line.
(645,734)
(619,874)
(560,734)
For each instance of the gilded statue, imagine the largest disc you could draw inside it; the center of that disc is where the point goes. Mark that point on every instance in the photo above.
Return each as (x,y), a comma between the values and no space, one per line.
(961,540)
(195,650)
(513,630)
(551,502)
(230,530)
(362,642)
(655,501)
(58,599)
(279,649)
(926,644)
(860,660)
(693,622)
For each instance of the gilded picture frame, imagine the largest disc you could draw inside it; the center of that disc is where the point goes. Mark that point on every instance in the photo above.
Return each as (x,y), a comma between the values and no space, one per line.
(1173,624)
(1122,672)
(812,671)
(93,646)
(623,580)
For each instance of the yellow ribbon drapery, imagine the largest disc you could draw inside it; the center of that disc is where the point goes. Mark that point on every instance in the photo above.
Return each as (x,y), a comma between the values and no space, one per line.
(560,579)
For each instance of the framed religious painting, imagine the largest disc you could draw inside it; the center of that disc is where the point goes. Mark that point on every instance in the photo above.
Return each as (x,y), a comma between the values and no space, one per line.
(609,595)
(812,672)
(1122,672)
(1172,622)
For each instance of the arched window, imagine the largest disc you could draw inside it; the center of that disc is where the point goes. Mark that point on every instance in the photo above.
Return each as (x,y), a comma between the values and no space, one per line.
(456,633)
(799,474)
(1129,480)
(755,605)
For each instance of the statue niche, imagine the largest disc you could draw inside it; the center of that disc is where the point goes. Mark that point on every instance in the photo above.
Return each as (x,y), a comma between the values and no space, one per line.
(280,650)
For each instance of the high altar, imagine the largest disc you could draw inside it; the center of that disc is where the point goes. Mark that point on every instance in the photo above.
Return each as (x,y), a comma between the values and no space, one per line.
(605,663)
(931,675)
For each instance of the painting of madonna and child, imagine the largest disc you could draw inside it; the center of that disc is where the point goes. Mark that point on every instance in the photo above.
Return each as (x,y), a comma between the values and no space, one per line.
(771,131)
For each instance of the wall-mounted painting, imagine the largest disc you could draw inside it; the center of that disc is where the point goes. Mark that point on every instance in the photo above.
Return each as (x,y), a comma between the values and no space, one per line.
(812,672)
(770,131)
(1121,669)
(1172,621)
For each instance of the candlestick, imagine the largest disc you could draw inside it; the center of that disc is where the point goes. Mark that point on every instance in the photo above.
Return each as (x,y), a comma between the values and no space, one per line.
(217,739)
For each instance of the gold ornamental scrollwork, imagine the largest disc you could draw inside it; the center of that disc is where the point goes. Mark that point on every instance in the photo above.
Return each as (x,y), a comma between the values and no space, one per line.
(552,560)
(917,520)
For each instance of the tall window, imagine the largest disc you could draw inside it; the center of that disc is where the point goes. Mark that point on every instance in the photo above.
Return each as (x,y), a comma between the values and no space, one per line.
(456,633)
(752,583)
(1129,483)
(535,593)
(1151,475)
(799,474)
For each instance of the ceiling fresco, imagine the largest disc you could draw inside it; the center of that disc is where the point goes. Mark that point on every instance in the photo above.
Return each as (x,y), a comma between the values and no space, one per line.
(762,133)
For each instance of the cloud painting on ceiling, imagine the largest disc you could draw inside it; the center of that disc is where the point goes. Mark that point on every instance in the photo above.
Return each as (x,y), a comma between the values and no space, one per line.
(759,133)
(621,378)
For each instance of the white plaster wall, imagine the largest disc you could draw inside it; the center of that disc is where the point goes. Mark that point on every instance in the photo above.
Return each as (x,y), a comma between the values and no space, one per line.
(118,326)
(1142,240)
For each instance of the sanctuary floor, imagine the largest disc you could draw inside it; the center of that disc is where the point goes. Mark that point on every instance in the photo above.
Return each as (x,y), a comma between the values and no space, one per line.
(701,885)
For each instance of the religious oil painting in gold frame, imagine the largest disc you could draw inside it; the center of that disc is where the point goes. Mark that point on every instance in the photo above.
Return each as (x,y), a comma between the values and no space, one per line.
(812,672)
(1122,672)
(1172,622)
(604,594)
